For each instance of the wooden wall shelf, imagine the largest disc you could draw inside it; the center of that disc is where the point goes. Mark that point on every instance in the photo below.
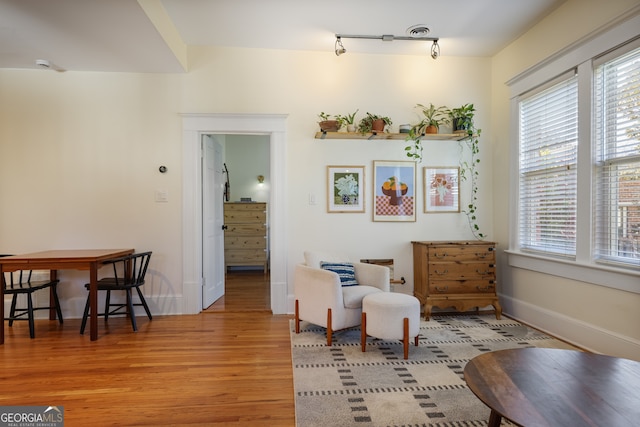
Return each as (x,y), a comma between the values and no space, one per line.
(389,136)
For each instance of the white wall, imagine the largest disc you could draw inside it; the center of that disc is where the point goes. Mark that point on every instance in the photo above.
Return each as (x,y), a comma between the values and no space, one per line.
(599,318)
(301,85)
(84,150)
(79,156)
(247,156)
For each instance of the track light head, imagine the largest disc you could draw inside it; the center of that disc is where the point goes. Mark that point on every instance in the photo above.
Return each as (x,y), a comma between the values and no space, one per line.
(339,48)
(435,49)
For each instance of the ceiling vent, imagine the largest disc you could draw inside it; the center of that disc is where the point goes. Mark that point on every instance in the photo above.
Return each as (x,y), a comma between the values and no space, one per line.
(418,31)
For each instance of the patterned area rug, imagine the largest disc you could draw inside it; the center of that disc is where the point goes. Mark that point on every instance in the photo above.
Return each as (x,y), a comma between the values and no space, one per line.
(342,386)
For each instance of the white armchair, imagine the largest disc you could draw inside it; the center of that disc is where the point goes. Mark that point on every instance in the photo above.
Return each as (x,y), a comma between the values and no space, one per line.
(321,299)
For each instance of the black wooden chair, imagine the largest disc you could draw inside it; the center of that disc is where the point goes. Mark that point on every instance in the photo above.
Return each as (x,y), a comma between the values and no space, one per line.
(20,283)
(128,273)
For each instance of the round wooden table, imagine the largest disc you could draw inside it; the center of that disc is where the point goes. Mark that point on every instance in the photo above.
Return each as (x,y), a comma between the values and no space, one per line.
(552,387)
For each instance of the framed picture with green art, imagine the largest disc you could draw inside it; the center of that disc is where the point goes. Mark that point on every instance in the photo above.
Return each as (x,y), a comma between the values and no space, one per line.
(345,189)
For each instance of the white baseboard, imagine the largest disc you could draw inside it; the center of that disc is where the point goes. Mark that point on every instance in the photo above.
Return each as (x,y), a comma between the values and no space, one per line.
(279,300)
(73,308)
(191,299)
(291,303)
(581,334)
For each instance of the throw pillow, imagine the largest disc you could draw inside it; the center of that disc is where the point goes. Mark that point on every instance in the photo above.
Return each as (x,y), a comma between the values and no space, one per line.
(313,259)
(345,271)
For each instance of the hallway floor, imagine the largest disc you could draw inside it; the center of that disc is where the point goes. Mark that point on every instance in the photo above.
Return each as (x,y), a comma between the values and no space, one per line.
(245,290)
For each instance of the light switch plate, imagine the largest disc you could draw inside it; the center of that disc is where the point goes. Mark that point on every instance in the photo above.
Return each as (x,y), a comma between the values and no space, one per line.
(162,196)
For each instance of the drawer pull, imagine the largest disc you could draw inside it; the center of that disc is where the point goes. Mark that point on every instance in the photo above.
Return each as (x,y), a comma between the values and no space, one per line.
(444,289)
(436,255)
(483,272)
(482,255)
(441,273)
(487,288)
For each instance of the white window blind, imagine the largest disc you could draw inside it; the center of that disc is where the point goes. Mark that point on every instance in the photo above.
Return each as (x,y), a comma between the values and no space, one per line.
(547,169)
(617,157)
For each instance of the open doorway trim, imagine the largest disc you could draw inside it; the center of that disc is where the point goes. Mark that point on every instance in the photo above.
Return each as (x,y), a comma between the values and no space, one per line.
(193,127)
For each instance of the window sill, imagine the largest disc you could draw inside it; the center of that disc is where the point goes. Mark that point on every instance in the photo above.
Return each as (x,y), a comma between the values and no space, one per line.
(610,277)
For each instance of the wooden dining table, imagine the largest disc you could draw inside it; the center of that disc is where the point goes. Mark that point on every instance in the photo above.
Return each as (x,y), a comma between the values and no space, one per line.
(63,259)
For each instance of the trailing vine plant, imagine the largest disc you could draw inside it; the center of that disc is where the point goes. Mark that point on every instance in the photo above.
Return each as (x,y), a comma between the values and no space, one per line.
(469,172)
(468,168)
(414,151)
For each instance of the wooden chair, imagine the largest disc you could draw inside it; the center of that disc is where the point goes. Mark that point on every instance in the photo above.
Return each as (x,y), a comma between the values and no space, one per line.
(20,283)
(128,273)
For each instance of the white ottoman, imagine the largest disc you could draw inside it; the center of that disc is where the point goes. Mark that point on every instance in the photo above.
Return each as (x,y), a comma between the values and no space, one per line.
(389,315)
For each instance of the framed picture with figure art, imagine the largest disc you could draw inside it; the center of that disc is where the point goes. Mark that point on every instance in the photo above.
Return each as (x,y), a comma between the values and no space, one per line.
(394,192)
(345,189)
(441,189)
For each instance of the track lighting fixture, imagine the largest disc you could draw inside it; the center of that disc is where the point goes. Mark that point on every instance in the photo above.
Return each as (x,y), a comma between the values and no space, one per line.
(338,47)
(417,33)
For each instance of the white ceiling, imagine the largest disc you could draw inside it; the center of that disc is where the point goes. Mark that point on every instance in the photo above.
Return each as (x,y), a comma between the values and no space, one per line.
(117,35)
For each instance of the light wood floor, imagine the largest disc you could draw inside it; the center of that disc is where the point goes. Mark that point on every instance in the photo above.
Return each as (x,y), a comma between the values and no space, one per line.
(247,290)
(215,368)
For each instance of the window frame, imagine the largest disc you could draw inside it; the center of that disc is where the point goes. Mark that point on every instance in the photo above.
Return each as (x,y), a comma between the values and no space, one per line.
(580,56)
(545,248)
(604,255)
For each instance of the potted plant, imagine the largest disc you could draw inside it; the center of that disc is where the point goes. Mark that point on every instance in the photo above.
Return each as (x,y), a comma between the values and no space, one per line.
(373,123)
(433,118)
(349,120)
(329,125)
(462,118)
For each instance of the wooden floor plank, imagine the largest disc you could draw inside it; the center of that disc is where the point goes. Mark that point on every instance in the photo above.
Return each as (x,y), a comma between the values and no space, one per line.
(245,290)
(216,368)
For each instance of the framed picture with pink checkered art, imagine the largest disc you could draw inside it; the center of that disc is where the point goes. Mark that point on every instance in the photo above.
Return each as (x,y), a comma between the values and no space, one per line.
(394,190)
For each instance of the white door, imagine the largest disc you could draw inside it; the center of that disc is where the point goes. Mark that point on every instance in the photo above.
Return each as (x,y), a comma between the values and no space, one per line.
(213,220)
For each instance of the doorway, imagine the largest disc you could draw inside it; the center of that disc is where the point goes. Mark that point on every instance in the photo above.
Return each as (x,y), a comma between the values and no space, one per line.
(194,126)
(245,180)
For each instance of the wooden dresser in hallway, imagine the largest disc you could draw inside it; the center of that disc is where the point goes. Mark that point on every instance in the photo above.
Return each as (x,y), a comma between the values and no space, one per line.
(246,235)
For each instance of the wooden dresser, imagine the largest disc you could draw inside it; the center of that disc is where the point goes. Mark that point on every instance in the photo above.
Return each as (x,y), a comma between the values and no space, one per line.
(245,237)
(458,274)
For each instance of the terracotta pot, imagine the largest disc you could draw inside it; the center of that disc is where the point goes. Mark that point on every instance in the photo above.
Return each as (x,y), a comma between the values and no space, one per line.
(329,125)
(377,125)
(431,129)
